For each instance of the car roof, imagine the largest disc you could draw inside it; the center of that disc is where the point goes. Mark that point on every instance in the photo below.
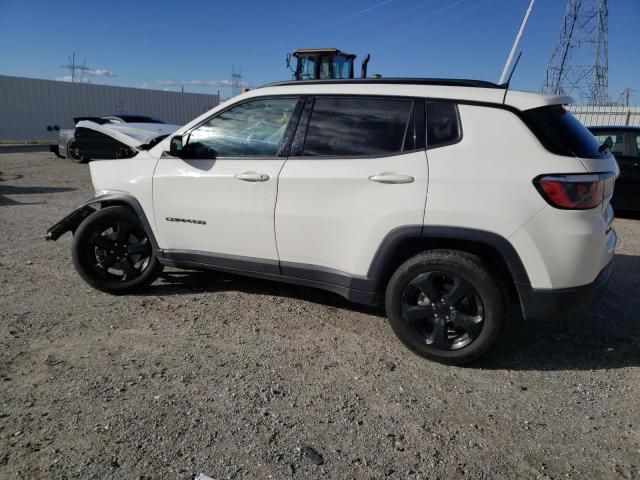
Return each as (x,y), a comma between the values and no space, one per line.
(464,90)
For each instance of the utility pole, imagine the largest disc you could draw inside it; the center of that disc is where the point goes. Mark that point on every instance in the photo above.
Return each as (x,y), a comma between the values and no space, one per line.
(505,71)
(236,80)
(579,64)
(76,69)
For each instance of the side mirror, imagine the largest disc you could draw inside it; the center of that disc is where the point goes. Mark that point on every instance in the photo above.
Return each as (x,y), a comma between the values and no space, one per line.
(175,147)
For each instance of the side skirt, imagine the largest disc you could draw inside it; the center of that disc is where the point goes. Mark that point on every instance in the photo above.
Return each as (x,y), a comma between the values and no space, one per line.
(264,269)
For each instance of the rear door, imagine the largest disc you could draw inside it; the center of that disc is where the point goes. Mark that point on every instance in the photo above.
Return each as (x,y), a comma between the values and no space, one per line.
(357,171)
(216,203)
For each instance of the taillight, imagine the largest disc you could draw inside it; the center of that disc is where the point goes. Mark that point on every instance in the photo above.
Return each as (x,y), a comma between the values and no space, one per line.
(575,191)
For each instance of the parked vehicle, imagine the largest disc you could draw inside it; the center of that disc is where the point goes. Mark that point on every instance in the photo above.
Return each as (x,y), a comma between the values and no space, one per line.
(449,201)
(81,144)
(624,143)
(324,64)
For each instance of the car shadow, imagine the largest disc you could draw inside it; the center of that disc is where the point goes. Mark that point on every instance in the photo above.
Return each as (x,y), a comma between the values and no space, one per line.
(185,282)
(605,336)
(628,214)
(11,190)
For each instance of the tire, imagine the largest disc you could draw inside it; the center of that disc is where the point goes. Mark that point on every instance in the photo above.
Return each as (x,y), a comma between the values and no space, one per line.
(112,252)
(74,154)
(446,306)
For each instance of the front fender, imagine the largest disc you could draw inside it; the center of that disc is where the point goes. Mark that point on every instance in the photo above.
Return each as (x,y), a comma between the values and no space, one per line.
(71,222)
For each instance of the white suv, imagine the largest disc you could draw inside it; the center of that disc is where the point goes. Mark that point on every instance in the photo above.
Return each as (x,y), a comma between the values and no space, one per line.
(448,200)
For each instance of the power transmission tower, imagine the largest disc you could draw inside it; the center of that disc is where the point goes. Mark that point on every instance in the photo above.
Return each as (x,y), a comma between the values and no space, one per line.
(579,65)
(623,99)
(77,70)
(236,81)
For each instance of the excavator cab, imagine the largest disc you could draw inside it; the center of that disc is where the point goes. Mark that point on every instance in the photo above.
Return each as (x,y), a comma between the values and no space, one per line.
(323,64)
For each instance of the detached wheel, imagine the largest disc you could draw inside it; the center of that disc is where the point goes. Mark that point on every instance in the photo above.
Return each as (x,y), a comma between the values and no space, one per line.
(73,152)
(112,252)
(444,305)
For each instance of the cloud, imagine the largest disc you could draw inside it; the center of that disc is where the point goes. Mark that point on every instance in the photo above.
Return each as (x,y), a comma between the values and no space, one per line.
(67,78)
(101,72)
(197,83)
(81,76)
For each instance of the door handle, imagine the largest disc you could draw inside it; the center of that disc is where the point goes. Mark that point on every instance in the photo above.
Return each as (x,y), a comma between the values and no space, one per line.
(252,177)
(391,178)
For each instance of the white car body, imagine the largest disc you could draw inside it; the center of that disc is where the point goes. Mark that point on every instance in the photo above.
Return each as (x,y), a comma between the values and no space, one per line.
(325,221)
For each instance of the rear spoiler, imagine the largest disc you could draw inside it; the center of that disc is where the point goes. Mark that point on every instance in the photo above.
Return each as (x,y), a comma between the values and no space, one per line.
(98,120)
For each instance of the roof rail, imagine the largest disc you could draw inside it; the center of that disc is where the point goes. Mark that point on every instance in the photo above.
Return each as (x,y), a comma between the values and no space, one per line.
(447,82)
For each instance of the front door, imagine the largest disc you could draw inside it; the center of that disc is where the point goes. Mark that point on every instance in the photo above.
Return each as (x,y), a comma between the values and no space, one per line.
(216,204)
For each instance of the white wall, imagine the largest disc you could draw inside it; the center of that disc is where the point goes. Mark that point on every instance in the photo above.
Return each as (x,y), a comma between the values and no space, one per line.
(29,105)
(606,115)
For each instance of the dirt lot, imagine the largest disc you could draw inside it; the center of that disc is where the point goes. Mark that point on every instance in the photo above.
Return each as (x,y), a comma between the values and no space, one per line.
(236,377)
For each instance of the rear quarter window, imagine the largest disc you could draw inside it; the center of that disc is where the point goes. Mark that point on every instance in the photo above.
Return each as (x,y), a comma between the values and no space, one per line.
(561,133)
(443,124)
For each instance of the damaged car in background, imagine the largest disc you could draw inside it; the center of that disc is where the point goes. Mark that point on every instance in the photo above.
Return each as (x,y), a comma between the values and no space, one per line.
(116,136)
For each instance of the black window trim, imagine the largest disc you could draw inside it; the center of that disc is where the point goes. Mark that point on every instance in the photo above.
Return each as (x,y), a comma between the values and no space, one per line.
(287,138)
(301,97)
(297,150)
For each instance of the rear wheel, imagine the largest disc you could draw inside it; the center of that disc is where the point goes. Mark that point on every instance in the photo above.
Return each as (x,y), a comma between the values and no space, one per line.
(444,305)
(113,253)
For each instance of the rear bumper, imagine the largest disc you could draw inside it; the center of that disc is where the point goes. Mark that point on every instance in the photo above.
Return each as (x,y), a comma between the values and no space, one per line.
(545,303)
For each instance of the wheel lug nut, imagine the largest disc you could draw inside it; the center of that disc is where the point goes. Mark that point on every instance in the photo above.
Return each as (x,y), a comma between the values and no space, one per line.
(451,308)
(446,318)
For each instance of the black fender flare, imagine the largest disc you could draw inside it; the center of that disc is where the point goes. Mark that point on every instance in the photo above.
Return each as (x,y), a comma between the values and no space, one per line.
(379,269)
(71,222)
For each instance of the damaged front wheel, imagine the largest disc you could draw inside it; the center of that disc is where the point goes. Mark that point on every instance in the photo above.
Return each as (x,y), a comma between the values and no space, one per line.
(112,252)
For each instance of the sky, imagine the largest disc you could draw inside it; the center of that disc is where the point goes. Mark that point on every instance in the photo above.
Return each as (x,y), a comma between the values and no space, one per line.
(193,44)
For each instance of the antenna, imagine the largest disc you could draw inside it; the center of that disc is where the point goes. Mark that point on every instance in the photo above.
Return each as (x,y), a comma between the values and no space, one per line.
(515,65)
(77,70)
(515,44)
(579,64)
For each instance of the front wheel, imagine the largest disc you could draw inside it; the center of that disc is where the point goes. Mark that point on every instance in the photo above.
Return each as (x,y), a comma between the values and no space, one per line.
(445,305)
(73,152)
(112,252)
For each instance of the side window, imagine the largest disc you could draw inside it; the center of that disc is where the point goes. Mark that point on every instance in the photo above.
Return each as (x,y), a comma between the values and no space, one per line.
(357,126)
(637,142)
(443,127)
(617,139)
(252,129)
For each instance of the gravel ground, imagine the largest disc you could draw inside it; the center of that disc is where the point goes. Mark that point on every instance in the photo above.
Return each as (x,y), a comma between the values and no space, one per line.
(243,378)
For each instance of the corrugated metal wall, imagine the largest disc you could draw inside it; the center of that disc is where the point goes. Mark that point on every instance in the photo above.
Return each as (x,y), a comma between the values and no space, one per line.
(606,115)
(29,105)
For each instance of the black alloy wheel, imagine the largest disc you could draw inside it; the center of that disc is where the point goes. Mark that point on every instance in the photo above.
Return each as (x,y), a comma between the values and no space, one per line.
(113,252)
(443,309)
(446,305)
